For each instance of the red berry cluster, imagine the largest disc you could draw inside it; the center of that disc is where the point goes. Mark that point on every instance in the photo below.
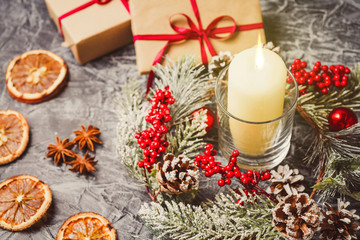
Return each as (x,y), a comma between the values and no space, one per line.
(152,140)
(248,179)
(321,77)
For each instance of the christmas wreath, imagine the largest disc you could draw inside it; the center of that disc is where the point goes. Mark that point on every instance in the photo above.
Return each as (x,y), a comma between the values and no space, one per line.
(164,145)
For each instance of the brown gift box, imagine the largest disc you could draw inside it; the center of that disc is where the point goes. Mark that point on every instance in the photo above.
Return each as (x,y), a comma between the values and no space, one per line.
(93,31)
(152,17)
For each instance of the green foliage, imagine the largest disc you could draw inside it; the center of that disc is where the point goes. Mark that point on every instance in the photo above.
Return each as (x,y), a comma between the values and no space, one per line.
(332,185)
(190,88)
(342,173)
(189,85)
(187,137)
(131,110)
(218,219)
(337,151)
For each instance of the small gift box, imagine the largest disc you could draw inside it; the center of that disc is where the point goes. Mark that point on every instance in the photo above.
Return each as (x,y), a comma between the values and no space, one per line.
(192,27)
(91,28)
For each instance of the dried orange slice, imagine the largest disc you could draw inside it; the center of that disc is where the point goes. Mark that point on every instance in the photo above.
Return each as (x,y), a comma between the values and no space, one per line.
(86,226)
(24,200)
(36,76)
(14,135)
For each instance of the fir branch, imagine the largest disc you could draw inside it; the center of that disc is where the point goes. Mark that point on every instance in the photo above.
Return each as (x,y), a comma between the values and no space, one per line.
(219,219)
(328,146)
(190,88)
(330,186)
(339,154)
(187,137)
(346,141)
(341,175)
(131,110)
(189,85)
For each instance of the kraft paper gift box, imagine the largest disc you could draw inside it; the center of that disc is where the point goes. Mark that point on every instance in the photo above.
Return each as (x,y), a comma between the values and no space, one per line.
(151,17)
(93,31)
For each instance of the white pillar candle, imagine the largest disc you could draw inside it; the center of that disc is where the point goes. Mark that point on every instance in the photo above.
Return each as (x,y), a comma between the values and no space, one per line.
(256,90)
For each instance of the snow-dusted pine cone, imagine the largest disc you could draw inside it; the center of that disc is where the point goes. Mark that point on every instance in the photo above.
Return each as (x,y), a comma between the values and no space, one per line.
(339,224)
(270,46)
(219,62)
(285,181)
(177,175)
(297,217)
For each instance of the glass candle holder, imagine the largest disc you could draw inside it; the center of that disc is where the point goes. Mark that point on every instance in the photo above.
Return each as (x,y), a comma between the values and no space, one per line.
(262,145)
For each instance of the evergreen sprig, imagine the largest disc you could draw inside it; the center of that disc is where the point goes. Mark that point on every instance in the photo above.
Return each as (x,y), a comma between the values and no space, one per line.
(131,110)
(186,138)
(334,150)
(189,83)
(218,219)
(190,87)
(341,175)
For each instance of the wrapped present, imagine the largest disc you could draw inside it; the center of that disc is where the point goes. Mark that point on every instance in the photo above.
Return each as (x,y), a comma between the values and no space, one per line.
(92,28)
(192,27)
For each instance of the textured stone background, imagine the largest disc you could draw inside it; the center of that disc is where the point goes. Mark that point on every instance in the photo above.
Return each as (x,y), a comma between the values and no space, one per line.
(326,30)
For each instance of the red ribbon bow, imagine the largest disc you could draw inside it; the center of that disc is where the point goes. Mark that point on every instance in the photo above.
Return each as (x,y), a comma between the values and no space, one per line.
(195,33)
(85,5)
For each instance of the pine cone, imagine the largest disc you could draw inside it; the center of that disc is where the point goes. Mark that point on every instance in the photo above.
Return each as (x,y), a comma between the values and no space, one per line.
(219,62)
(297,217)
(270,46)
(339,224)
(285,181)
(177,175)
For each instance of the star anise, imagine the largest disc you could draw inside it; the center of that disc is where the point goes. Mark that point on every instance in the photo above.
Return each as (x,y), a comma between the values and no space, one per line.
(61,150)
(83,164)
(87,137)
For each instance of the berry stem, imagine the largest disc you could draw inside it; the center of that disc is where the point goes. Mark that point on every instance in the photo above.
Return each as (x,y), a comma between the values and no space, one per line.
(320,177)
(306,117)
(151,195)
(262,191)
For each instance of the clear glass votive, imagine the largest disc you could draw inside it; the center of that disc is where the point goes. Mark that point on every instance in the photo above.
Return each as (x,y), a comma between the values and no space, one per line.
(262,145)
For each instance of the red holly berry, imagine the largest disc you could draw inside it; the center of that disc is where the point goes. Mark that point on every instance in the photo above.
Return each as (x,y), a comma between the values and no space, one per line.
(207,152)
(246,180)
(146,152)
(227,181)
(230,174)
(228,168)
(140,164)
(237,173)
(221,182)
(267,176)
(153,137)
(235,153)
(162,149)
(249,173)
(323,75)
(324,90)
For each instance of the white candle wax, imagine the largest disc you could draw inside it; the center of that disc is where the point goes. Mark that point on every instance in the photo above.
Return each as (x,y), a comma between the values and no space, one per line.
(256,90)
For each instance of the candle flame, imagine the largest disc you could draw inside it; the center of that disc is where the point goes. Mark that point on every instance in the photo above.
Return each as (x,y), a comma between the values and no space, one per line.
(259,58)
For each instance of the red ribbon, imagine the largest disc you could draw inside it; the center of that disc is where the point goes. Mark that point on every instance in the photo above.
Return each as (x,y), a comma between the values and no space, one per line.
(195,33)
(85,5)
